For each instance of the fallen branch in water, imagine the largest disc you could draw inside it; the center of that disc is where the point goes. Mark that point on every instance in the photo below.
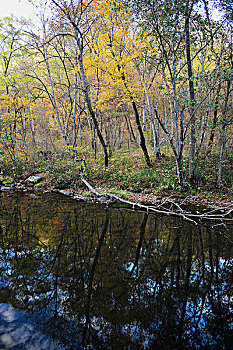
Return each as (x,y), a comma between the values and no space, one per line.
(194,218)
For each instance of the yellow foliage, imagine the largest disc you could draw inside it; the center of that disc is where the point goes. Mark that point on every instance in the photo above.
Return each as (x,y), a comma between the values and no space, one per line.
(115,51)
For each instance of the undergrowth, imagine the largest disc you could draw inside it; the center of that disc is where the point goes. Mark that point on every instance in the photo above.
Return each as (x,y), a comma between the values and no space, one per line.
(126,172)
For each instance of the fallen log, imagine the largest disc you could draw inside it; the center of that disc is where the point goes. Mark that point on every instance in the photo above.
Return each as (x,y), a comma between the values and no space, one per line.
(180,212)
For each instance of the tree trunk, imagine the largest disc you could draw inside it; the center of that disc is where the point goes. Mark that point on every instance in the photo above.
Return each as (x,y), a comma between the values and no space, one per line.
(178,157)
(153,125)
(224,124)
(180,172)
(137,116)
(191,93)
(64,133)
(142,138)
(87,98)
(214,124)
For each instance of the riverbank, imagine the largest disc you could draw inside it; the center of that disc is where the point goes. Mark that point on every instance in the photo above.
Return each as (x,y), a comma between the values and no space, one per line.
(212,200)
(127,177)
(190,208)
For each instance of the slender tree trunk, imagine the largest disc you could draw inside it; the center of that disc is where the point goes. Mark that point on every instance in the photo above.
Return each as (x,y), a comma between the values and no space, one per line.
(74,113)
(152,117)
(180,171)
(178,156)
(64,134)
(142,138)
(153,122)
(130,128)
(224,124)
(137,116)
(144,117)
(191,93)
(215,118)
(87,98)
(32,128)
(138,122)
(175,108)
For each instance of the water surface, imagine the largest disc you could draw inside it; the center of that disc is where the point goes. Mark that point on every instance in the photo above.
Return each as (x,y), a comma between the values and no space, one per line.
(77,275)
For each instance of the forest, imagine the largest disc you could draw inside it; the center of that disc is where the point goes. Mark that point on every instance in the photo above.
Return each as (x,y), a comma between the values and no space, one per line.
(116,175)
(134,95)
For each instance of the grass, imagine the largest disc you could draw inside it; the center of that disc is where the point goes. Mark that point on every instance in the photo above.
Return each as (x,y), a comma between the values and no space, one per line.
(118,192)
(86,194)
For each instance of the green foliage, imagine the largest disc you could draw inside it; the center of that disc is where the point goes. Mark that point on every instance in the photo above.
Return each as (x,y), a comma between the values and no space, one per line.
(208,178)
(86,194)
(118,192)
(131,173)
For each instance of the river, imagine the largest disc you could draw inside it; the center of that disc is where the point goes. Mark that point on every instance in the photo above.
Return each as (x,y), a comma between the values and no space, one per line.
(87,276)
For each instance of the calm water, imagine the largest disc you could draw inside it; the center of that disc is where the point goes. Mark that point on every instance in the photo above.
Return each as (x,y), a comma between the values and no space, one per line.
(83,276)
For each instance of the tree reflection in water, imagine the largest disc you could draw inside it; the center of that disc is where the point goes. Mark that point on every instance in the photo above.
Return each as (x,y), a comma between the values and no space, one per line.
(109,278)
